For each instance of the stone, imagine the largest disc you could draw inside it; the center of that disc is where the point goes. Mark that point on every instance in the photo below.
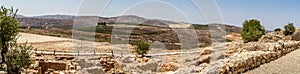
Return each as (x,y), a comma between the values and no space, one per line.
(168,67)
(204,59)
(52,65)
(206,52)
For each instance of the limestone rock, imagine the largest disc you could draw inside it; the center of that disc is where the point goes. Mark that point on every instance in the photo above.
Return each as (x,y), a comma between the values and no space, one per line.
(169,67)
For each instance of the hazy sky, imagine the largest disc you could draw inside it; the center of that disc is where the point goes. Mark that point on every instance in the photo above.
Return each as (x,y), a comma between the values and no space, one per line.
(271,13)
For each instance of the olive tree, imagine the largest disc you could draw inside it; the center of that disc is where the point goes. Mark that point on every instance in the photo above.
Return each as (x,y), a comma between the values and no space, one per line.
(18,56)
(8,29)
(252,30)
(142,48)
(289,29)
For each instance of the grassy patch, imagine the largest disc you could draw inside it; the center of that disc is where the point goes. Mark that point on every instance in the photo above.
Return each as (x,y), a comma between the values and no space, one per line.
(198,26)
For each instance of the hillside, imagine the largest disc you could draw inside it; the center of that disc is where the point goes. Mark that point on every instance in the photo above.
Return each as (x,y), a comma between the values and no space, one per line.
(149,29)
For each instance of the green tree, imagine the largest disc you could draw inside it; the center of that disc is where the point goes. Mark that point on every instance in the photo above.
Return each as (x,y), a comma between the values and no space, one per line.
(8,29)
(289,29)
(142,48)
(18,58)
(252,30)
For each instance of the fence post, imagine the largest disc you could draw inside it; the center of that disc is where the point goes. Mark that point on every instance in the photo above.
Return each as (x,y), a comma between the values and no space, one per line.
(112,53)
(94,52)
(54,52)
(78,52)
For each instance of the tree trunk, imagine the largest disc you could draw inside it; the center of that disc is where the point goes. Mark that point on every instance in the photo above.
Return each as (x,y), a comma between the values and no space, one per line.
(3,52)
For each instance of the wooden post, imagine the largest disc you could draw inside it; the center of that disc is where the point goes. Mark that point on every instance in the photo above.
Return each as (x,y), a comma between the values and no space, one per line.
(54,52)
(78,52)
(94,52)
(112,53)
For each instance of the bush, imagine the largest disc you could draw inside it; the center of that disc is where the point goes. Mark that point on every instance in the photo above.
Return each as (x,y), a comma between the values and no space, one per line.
(289,29)
(18,58)
(252,30)
(142,48)
(277,29)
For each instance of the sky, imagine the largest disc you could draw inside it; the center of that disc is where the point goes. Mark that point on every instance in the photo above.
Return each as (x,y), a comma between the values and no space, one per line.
(272,13)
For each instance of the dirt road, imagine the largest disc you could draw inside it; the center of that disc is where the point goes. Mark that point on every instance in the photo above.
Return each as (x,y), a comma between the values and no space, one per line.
(288,64)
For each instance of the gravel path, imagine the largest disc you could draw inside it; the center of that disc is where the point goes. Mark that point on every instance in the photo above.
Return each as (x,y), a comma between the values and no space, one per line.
(288,64)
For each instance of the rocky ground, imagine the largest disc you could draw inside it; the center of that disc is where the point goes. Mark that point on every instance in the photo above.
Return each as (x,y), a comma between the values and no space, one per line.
(237,57)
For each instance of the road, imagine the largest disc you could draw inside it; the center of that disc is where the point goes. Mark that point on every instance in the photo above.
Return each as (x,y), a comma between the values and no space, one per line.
(288,64)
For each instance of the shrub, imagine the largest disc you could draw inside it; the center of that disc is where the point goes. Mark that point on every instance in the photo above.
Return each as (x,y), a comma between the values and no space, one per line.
(289,29)
(277,29)
(142,48)
(18,58)
(252,30)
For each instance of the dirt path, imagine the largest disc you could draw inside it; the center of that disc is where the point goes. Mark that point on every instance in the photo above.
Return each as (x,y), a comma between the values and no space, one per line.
(288,64)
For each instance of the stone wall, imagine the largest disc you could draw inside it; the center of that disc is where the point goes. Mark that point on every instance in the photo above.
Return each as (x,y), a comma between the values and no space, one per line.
(266,52)
(52,65)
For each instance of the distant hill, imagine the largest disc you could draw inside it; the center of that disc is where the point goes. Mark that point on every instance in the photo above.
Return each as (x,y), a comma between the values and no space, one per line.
(66,21)
(20,16)
(57,16)
(149,29)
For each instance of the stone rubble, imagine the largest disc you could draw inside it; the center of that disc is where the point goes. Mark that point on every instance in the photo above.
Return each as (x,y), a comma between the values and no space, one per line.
(275,37)
(169,67)
(239,57)
(246,60)
(64,65)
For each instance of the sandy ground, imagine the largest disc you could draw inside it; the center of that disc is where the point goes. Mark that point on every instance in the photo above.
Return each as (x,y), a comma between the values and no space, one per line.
(33,38)
(49,43)
(288,64)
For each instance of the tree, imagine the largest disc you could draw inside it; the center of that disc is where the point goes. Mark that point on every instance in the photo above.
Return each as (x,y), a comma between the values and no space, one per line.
(142,48)
(289,29)
(18,58)
(8,29)
(252,30)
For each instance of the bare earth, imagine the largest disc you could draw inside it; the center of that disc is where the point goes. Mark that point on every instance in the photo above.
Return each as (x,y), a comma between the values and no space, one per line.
(288,64)
(49,43)
(33,38)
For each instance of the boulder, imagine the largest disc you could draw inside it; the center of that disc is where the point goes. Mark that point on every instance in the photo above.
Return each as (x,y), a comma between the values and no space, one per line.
(168,67)
(296,35)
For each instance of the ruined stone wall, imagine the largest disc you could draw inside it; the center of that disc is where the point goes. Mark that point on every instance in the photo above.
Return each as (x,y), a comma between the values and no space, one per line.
(265,52)
(52,65)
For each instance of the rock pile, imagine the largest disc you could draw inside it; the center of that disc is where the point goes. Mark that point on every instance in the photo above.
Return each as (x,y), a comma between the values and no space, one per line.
(265,52)
(168,67)
(140,65)
(46,66)
(110,65)
(274,37)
